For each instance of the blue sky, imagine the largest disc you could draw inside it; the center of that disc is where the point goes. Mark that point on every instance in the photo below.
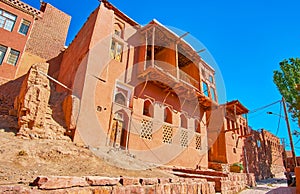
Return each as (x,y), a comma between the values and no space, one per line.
(247,39)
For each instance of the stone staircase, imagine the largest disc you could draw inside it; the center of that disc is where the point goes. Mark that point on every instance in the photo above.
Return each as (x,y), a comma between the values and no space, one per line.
(227,183)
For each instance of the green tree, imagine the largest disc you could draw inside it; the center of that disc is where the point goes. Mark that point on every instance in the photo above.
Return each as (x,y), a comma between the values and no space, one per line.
(286,81)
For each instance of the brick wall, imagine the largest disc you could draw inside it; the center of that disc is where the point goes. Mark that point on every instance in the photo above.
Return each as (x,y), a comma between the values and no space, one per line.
(49,33)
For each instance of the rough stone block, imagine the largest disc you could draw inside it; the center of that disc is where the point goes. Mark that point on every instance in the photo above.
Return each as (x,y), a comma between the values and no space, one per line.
(149,181)
(129,181)
(61,182)
(102,181)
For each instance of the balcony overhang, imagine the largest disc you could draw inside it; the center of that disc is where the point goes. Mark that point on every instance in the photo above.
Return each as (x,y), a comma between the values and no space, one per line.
(165,36)
(168,81)
(236,107)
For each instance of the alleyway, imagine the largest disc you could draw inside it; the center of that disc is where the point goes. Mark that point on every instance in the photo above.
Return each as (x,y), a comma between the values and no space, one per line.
(271,186)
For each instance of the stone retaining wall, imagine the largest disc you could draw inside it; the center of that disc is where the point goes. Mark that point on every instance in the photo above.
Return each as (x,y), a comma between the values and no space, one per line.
(108,185)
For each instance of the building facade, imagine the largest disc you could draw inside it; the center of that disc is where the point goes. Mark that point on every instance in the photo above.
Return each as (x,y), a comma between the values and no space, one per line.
(40,35)
(229,145)
(140,89)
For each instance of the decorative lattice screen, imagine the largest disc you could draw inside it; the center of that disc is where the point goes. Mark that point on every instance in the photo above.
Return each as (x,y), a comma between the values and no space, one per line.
(184,138)
(146,129)
(167,134)
(198,142)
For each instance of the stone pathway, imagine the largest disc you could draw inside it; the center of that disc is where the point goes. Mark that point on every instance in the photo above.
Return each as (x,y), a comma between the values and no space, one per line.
(271,186)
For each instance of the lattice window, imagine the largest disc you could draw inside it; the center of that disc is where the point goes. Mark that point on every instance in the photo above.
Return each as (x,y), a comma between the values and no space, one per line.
(184,138)
(167,134)
(146,130)
(198,142)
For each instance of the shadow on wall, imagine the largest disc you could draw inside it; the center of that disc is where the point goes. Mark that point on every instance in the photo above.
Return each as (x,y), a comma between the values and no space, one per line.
(8,92)
(54,66)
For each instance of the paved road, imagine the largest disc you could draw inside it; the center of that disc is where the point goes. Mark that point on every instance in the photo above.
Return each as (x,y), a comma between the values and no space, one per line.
(271,186)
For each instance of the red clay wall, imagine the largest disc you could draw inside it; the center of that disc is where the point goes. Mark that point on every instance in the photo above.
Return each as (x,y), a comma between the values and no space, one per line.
(76,51)
(8,39)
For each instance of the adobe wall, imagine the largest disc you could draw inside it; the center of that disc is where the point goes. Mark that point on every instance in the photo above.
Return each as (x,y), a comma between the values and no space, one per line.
(99,76)
(264,155)
(48,36)
(235,141)
(183,150)
(76,52)
(27,61)
(36,118)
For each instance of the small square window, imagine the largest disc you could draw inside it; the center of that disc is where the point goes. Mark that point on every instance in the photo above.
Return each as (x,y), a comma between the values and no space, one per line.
(13,57)
(3,50)
(205,89)
(24,27)
(7,20)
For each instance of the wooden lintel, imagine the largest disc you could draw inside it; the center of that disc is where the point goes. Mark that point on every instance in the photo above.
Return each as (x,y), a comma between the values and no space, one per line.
(235,129)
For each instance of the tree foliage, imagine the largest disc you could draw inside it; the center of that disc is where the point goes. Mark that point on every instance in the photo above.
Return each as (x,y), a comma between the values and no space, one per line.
(286,81)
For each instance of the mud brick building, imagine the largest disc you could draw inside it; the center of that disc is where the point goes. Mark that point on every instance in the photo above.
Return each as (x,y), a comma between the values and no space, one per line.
(138,88)
(264,154)
(229,145)
(28,36)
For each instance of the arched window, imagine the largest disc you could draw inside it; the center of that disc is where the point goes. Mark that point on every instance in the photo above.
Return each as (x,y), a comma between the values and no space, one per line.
(118,30)
(120,99)
(197,126)
(183,121)
(148,109)
(168,115)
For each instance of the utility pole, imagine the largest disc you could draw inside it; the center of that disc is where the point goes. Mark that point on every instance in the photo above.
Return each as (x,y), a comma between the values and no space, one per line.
(284,152)
(289,131)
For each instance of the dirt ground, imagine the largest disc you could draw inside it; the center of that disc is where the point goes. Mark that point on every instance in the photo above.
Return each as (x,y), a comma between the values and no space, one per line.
(22,160)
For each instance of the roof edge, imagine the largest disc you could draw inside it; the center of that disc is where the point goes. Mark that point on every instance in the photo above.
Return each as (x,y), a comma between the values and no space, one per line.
(119,13)
(23,7)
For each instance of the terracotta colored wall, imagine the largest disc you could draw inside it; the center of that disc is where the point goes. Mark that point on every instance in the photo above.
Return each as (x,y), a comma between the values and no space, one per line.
(235,145)
(8,39)
(27,61)
(76,51)
(99,75)
(297,173)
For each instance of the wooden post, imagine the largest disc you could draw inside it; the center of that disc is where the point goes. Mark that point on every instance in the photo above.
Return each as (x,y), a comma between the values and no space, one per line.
(289,131)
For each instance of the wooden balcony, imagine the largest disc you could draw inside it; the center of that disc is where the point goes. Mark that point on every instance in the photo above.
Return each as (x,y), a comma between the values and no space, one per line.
(171,78)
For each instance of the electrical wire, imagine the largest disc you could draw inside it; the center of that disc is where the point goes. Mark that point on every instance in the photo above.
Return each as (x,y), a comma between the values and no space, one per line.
(263,107)
(279,118)
(297,141)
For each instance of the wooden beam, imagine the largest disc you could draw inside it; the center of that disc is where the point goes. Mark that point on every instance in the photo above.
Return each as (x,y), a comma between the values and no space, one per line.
(235,129)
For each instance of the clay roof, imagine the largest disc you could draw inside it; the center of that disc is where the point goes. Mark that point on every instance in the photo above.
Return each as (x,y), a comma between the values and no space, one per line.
(23,7)
(119,13)
(235,104)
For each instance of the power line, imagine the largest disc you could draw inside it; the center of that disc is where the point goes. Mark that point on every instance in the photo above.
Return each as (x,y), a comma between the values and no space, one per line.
(279,119)
(263,107)
(297,141)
